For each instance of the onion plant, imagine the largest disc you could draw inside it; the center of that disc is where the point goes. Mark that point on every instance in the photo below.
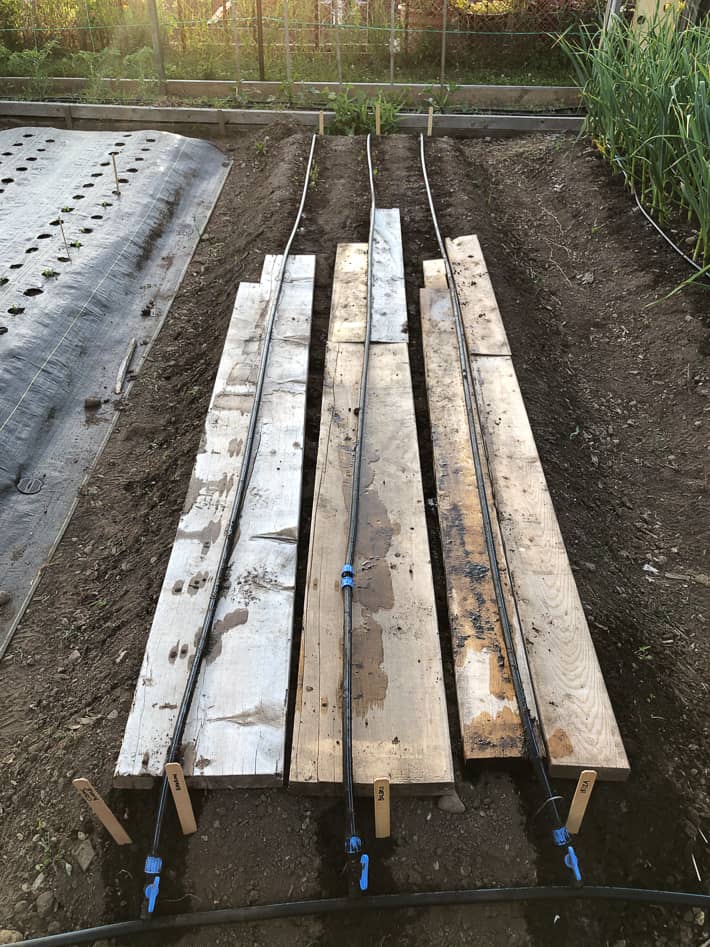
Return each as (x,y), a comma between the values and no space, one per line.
(647,96)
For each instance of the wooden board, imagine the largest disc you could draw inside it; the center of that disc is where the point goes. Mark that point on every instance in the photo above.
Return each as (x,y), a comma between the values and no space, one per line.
(479,308)
(389,306)
(488,708)
(435,274)
(575,713)
(577,718)
(236,729)
(400,727)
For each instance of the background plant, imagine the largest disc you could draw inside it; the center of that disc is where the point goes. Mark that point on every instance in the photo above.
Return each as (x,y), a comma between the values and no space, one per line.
(355,114)
(647,95)
(488,40)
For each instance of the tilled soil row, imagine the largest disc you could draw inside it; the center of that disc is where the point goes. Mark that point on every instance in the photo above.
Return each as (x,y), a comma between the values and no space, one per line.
(615,391)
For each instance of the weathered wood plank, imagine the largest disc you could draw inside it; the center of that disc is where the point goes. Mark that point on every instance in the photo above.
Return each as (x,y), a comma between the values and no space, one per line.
(488,708)
(484,326)
(236,729)
(149,116)
(389,307)
(389,304)
(435,274)
(576,715)
(400,728)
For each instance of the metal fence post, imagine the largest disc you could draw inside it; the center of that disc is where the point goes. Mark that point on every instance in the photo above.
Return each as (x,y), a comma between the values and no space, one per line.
(392,14)
(287,44)
(157,43)
(260,39)
(444,13)
(338,59)
(237,48)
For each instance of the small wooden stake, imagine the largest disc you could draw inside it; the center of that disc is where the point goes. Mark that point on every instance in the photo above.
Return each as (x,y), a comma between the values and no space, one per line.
(115,174)
(124,366)
(382,808)
(430,121)
(321,123)
(378,119)
(64,237)
(102,811)
(181,797)
(580,800)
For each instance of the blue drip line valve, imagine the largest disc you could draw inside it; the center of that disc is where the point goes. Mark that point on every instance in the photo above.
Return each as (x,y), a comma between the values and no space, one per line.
(353,847)
(346,580)
(153,867)
(562,838)
(364,869)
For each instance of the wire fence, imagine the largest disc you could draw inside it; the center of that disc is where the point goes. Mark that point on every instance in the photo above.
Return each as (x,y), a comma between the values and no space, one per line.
(443,41)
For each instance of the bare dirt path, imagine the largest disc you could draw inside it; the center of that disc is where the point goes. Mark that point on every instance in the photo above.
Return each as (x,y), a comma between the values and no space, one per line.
(618,399)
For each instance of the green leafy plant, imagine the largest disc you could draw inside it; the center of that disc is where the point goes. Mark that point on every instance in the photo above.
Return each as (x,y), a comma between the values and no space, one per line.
(647,95)
(439,96)
(50,273)
(355,114)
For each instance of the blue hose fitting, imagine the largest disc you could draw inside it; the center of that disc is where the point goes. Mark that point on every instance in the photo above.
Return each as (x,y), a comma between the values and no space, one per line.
(153,867)
(353,848)
(364,869)
(561,837)
(573,864)
(346,580)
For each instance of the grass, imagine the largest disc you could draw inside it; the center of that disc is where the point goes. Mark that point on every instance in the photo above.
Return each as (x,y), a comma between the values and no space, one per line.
(647,95)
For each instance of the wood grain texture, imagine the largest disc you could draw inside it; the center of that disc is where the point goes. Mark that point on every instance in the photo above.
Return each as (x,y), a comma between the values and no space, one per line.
(575,714)
(400,727)
(488,708)
(102,812)
(389,306)
(435,274)
(577,718)
(235,732)
(484,326)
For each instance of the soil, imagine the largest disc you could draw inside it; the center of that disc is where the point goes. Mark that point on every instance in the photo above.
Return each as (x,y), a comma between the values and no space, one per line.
(617,385)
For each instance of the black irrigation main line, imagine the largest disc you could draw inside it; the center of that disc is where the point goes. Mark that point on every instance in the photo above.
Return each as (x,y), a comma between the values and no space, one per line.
(383,902)
(560,834)
(153,862)
(357,860)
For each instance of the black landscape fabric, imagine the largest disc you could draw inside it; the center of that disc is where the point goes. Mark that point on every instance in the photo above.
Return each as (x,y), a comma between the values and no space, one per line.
(87,264)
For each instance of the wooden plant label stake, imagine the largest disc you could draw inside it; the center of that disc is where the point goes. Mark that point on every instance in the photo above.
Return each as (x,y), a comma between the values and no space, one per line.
(124,366)
(115,174)
(378,119)
(430,121)
(181,797)
(321,123)
(580,800)
(102,811)
(382,808)
(64,236)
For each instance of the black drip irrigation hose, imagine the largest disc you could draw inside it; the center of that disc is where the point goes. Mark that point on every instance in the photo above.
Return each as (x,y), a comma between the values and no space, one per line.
(383,902)
(357,860)
(153,862)
(560,834)
(703,270)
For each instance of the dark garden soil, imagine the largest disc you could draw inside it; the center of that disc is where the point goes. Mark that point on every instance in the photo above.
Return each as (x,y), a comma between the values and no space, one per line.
(618,392)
